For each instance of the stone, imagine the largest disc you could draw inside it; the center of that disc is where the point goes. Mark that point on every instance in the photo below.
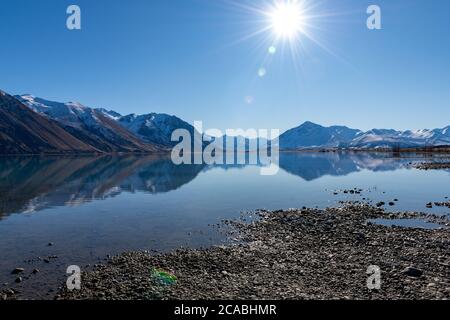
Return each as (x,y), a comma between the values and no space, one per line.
(412,272)
(18,270)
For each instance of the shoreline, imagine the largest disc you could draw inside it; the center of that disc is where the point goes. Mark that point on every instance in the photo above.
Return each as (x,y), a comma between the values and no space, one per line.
(433,151)
(293,254)
(432,166)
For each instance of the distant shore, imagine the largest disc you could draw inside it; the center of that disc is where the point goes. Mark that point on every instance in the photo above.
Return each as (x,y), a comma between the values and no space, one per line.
(433,166)
(420,150)
(294,254)
(425,151)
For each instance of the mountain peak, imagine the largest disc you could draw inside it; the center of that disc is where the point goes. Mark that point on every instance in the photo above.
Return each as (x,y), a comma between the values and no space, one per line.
(155,128)
(109,113)
(312,135)
(310,124)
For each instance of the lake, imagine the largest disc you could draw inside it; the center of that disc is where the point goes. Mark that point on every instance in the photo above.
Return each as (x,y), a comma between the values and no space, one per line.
(89,207)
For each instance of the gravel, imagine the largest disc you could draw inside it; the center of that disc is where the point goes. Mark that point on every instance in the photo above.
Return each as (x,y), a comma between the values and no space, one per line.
(294,254)
(442,204)
(433,166)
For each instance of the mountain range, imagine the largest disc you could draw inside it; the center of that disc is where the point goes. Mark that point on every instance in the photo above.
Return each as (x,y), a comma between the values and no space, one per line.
(32,125)
(310,135)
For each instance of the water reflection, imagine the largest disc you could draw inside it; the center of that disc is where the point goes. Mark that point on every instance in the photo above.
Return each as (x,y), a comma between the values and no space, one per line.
(31,184)
(35,183)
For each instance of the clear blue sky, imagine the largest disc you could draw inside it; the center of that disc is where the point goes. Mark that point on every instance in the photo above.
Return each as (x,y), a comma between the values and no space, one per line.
(183,57)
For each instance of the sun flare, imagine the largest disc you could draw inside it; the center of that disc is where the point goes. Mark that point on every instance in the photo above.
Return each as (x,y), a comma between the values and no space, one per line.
(284,29)
(287,18)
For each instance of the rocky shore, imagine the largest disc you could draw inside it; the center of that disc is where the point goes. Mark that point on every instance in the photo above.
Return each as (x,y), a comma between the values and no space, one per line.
(433,166)
(294,254)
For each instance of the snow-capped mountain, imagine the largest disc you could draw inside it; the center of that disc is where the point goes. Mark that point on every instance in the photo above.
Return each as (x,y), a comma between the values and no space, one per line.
(70,113)
(155,128)
(23,131)
(112,114)
(404,139)
(152,128)
(97,127)
(311,135)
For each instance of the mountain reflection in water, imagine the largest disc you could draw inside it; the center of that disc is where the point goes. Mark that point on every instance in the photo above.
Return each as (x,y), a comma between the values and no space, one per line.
(29,184)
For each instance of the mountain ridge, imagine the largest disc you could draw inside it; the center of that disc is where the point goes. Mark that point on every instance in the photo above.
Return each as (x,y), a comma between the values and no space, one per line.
(86,129)
(23,131)
(348,138)
(94,126)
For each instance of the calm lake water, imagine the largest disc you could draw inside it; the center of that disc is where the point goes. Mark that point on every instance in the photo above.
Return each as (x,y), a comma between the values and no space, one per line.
(89,207)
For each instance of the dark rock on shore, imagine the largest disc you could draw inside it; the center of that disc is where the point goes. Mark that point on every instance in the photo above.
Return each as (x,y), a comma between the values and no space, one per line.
(442,204)
(413,272)
(18,270)
(294,254)
(8,294)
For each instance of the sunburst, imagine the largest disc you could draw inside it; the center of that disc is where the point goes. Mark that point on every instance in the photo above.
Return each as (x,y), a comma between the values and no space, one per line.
(283,24)
(287,19)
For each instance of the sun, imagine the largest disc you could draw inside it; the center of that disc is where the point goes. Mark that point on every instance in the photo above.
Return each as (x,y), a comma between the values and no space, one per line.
(287,18)
(284,28)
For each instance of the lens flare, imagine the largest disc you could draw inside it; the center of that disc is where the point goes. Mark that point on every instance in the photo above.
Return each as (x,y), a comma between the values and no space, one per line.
(272,50)
(262,72)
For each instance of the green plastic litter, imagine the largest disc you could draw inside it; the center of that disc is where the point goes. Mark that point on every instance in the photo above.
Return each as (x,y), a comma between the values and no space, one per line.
(164,277)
